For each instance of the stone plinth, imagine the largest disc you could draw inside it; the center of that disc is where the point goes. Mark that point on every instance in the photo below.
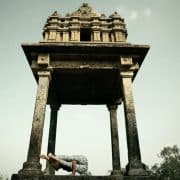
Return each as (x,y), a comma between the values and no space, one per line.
(19,177)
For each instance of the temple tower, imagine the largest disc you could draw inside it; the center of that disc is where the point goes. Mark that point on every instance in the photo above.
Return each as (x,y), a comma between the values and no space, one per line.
(84,59)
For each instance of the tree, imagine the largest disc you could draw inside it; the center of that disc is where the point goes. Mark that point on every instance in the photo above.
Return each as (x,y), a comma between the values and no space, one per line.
(170,165)
(3,177)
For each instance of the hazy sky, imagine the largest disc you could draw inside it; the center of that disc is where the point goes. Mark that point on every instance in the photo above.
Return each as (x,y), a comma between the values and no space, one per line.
(86,129)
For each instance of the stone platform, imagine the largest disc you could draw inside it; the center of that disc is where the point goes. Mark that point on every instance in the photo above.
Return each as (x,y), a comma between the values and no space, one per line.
(20,177)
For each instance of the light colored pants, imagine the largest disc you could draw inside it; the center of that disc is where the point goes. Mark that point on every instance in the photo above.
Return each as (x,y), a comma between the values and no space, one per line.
(82,162)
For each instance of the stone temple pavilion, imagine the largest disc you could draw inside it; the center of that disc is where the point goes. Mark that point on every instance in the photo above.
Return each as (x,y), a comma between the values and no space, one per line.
(84,59)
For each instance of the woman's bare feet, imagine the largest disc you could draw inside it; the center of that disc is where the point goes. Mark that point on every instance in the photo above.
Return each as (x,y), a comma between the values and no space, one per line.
(52,156)
(54,161)
(44,157)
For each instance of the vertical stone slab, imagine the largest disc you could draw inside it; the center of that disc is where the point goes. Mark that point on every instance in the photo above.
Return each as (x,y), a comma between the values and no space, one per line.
(32,165)
(135,166)
(52,137)
(114,140)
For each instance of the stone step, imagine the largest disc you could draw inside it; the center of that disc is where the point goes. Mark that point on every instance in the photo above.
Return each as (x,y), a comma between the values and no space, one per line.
(59,177)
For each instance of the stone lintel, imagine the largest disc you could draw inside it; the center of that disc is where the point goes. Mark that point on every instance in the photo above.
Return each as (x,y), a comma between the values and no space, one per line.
(76,64)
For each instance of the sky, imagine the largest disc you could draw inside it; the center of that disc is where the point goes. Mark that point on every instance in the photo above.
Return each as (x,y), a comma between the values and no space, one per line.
(86,129)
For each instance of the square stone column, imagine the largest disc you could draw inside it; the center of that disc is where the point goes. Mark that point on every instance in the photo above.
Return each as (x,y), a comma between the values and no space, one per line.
(32,166)
(52,137)
(114,140)
(135,167)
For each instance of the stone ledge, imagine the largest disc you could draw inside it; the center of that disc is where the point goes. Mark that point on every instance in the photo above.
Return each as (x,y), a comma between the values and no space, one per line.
(58,177)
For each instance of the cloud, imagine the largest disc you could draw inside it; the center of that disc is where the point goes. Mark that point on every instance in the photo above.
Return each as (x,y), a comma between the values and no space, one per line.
(133,15)
(147,12)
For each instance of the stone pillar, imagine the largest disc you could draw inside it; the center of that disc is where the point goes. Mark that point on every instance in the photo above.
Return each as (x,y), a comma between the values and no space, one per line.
(58,36)
(52,35)
(96,36)
(114,140)
(46,36)
(75,35)
(112,37)
(65,36)
(105,36)
(32,166)
(135,166)
(52,137)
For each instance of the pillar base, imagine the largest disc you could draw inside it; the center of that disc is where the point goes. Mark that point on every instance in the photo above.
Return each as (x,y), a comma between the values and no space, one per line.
(31,168)
(137,169)
(48,171)
(116,173)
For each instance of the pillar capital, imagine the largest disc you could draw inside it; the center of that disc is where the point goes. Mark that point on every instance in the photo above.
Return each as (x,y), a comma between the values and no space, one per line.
(112,107)
(126,74)
(44,74)
(55,106)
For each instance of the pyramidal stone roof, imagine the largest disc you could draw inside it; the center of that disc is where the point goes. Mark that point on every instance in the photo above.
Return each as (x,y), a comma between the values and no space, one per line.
(85,24)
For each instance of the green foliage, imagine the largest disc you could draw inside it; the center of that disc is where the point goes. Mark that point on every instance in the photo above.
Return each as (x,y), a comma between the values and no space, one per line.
(3,177)
(170,165)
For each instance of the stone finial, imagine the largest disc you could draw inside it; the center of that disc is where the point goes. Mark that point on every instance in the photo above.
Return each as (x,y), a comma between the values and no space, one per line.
(85,10)
(115,15)
(85,4)
(103,16)
(55,14)
(67,15)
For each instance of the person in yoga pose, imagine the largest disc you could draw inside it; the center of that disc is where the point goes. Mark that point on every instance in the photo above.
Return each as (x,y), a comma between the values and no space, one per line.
(74,163)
